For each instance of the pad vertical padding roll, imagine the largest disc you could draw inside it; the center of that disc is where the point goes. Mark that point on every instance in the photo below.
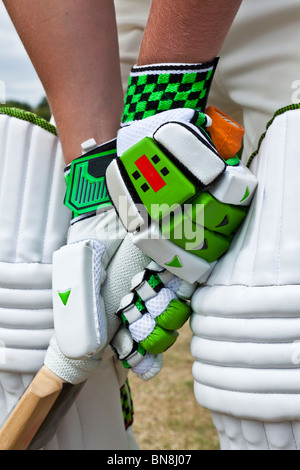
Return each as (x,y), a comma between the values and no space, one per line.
(33,218)
(246,318)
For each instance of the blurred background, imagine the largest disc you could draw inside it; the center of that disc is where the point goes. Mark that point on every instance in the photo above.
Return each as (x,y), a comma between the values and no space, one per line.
(19,83)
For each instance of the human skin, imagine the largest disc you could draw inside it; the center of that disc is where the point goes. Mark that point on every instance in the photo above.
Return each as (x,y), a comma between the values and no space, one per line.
(73,46)
(189,31)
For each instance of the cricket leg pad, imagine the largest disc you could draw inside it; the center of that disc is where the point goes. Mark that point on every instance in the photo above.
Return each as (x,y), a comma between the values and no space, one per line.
(246,319)
(246,434)
(34,224)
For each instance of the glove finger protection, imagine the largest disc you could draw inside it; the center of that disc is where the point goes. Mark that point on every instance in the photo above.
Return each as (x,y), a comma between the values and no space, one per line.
(127,262)
(150,315)
(176,196)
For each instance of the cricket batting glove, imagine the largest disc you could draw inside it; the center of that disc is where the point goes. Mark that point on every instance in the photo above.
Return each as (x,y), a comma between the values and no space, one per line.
(177,197)
(86,296)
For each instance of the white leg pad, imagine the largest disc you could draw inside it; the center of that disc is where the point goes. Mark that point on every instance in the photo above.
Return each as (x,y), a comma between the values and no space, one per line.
(34,223)
(246,319)
(246,434)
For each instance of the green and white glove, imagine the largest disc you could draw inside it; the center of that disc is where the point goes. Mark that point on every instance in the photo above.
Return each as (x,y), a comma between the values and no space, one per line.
(93,272)
(97,274)
(178,199)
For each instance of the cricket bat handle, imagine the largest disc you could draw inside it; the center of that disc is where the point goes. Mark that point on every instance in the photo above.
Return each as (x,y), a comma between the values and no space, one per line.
(31,410)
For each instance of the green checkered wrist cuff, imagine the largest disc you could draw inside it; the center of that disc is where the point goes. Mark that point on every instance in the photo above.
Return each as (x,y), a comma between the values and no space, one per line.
(156,88)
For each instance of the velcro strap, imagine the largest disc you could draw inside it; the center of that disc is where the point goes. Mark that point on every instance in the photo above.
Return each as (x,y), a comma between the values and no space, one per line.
(85,179)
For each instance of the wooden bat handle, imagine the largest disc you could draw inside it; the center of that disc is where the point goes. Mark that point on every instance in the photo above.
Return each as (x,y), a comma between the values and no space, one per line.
(31,410)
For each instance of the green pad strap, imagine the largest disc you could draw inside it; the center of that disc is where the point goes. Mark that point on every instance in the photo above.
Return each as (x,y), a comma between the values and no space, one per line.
(29,117)
(156,88)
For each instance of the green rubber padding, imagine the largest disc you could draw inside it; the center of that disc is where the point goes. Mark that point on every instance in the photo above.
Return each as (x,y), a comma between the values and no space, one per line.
(195,239)
(159,340)
(210,247)
(233,161)
(163,189)
(126,365)
(219,217)
(154,280)
(175,315)
(216,225)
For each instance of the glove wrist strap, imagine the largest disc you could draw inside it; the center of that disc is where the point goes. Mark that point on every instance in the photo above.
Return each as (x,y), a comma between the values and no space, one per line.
(161,87)
(85,180)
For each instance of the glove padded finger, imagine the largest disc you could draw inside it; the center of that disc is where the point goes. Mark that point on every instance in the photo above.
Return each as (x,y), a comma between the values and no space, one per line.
(159,340)
(175,315)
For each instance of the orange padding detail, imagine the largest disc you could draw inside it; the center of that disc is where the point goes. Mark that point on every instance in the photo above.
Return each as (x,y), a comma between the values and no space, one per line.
(226,134)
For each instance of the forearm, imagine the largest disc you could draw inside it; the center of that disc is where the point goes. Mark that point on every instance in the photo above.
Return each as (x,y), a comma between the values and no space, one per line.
(186,31)
(73,46)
